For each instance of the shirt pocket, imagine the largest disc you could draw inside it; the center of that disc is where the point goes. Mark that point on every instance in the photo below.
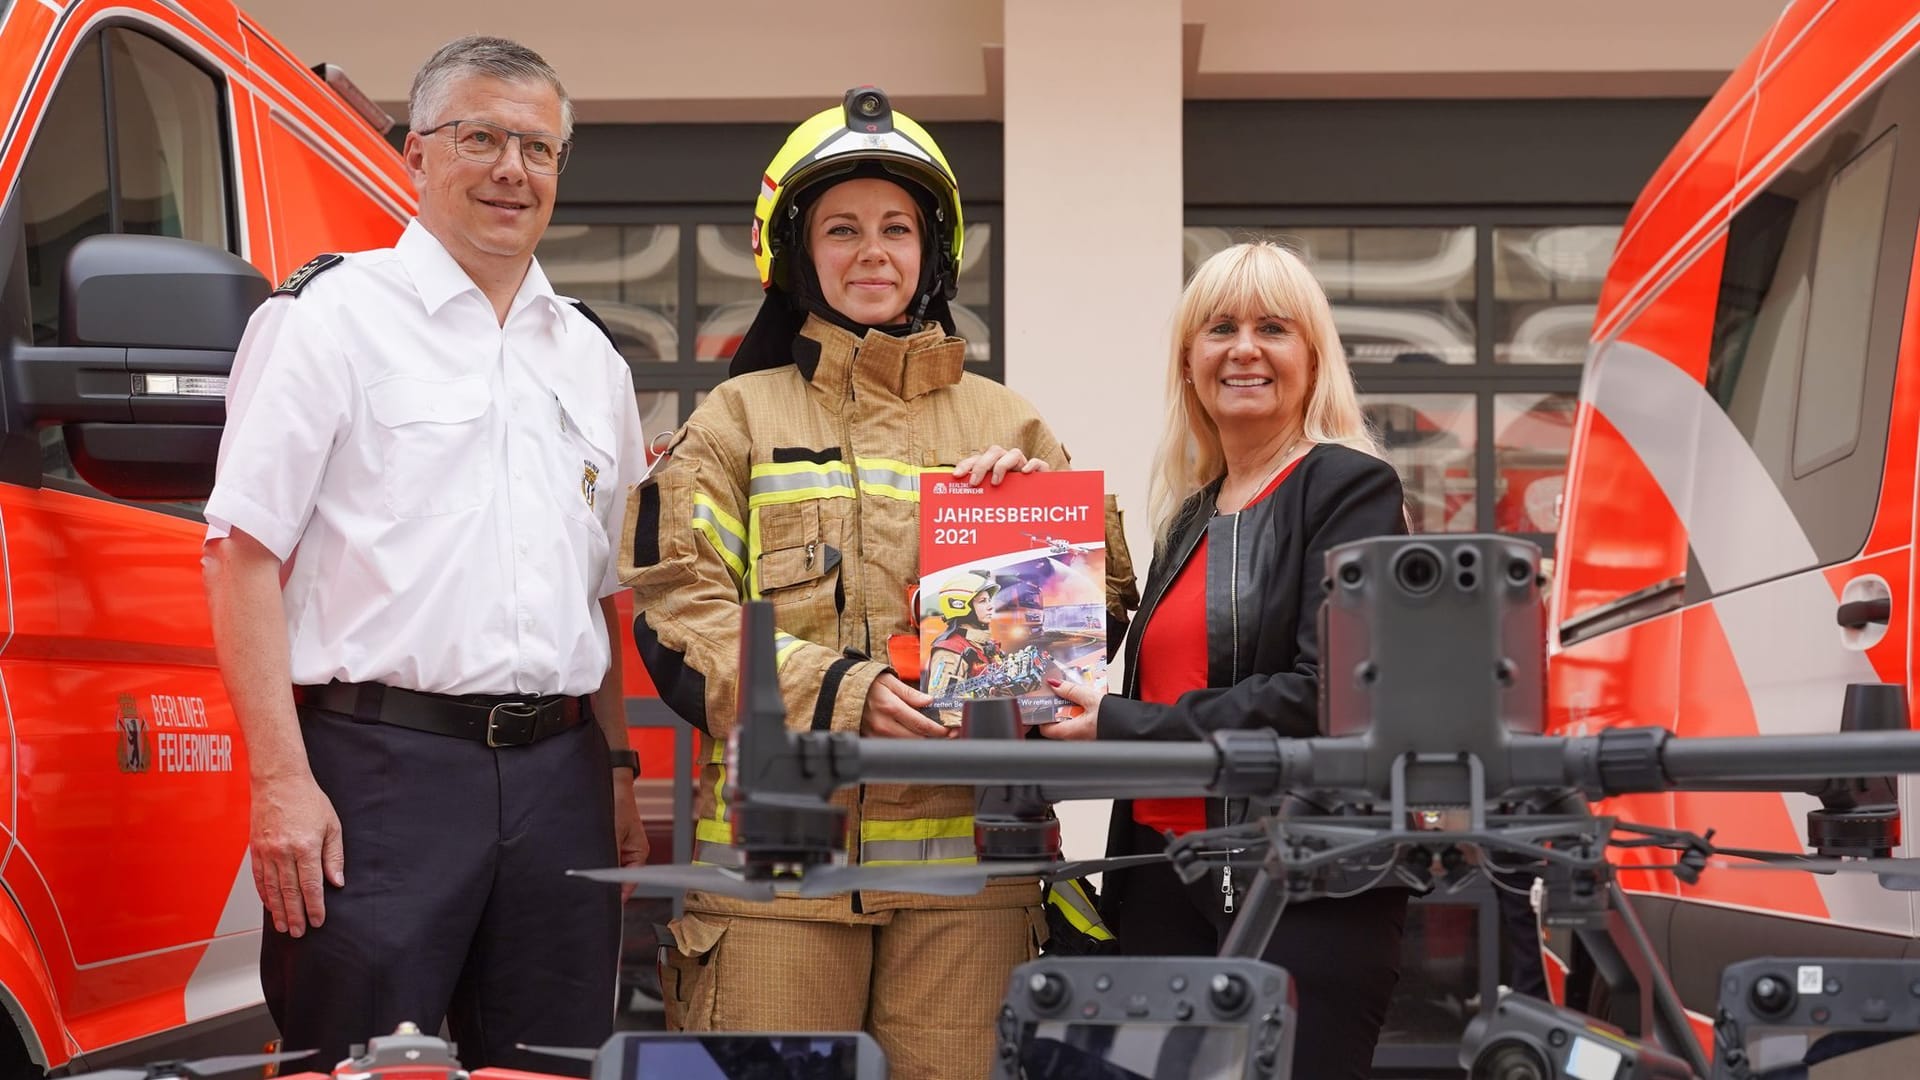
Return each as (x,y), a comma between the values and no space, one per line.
(582,467)
(435,450)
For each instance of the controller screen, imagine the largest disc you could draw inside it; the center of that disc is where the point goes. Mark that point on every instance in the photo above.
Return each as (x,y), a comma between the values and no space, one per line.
(727,1056)
(1783,1053)
(1139,1051)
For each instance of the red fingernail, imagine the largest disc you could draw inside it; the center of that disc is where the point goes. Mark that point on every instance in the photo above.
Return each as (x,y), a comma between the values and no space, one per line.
(1055,683)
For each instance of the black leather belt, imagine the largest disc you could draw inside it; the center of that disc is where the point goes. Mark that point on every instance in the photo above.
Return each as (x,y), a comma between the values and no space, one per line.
(494,720)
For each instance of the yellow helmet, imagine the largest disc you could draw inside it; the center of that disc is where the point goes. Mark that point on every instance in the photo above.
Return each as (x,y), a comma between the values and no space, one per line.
(955,598)
(833,142)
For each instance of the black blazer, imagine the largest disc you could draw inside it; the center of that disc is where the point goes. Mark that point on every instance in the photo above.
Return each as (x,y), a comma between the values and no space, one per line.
(1265,571)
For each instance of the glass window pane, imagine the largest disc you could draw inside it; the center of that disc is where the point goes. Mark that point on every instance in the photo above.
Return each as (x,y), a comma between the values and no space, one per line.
(63,188)
(1400,295)
(1429,439)
(727,291)
(169,150)
(1826,427)
(973,306)
(1531,434)
(629,275)
(1545,283)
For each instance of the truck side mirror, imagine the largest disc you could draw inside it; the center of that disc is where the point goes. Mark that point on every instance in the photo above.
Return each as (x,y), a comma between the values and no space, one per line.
(148,330)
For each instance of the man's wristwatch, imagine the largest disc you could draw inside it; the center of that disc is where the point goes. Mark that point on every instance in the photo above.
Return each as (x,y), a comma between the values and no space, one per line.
(627,759)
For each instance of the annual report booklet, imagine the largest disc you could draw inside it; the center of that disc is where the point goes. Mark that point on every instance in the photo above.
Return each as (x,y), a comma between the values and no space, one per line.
(1012,590)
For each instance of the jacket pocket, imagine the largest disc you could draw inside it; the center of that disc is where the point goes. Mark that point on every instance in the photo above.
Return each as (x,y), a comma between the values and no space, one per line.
(797,568)
(688,972)
(436,455)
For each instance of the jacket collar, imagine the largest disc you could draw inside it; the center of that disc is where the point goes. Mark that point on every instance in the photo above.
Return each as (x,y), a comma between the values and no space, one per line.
(830,358)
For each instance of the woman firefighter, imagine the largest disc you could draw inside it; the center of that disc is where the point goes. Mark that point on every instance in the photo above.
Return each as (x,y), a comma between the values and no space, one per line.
(797,482)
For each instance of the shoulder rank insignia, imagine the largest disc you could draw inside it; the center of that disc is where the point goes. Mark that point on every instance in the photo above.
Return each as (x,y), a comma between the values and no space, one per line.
(299,278)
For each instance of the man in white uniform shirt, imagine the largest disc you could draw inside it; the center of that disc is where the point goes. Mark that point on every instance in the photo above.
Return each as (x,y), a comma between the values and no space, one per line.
(411,584)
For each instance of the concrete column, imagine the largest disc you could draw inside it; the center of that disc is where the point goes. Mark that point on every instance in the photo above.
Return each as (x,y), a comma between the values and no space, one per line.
(1092,242)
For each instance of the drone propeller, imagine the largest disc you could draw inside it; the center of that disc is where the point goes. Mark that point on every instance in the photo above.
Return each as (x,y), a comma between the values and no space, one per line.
(1901,875)
(195,1070)
(570,1053)
(957,880)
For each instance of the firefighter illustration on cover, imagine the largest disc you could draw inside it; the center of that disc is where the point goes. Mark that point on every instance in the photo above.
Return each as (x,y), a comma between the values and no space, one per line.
(965,660)
(965,649)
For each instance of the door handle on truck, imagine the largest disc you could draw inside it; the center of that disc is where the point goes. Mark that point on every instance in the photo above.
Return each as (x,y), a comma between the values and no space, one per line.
(1856,614)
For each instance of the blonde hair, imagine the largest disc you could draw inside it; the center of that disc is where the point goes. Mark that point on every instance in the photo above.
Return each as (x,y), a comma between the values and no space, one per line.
(1259,277)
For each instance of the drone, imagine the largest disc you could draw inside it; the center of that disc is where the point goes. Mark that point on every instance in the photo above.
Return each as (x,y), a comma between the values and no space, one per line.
(1349,809)
(1058,546)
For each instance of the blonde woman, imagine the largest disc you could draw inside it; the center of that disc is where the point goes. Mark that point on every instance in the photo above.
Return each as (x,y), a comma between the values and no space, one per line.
(1266,462)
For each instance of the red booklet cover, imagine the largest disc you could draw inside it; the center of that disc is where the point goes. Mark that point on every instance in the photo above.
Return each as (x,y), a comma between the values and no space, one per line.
(1012,590)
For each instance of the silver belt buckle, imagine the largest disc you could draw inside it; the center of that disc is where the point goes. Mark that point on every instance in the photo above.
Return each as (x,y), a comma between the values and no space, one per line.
(516,709)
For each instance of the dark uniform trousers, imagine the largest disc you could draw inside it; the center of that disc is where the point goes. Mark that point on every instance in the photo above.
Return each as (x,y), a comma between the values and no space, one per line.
(1344,955)
(457,905)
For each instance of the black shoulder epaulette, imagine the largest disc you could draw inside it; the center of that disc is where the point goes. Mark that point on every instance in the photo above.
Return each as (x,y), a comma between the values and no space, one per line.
(582,308)
(299,278)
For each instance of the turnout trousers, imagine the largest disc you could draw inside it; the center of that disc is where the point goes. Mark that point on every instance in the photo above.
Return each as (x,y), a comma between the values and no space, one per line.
(925,983)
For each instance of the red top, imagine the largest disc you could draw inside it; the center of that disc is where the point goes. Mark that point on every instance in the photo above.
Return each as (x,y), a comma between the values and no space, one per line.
(1173,660)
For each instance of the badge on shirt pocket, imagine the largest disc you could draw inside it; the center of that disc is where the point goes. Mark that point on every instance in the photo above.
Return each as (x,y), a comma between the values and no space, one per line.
(589,481)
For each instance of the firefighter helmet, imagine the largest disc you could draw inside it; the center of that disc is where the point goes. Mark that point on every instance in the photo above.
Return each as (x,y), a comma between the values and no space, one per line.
(955,599)
(863,128)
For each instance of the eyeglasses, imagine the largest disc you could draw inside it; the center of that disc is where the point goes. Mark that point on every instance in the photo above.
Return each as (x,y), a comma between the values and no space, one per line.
(477,140)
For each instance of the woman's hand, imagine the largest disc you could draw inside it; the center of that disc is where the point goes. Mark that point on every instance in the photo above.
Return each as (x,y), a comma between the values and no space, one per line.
(893,712)
(996,461)
(1077,728)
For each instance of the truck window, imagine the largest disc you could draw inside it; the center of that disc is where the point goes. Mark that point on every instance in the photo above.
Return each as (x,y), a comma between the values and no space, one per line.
(133,141)
(63,185)
(168,151)
(1807,323)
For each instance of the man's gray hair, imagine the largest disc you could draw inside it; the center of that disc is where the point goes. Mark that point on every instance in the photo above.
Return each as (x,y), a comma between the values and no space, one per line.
(497,58)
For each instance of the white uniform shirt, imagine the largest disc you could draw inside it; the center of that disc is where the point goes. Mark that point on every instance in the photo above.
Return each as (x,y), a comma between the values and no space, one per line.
(445,487)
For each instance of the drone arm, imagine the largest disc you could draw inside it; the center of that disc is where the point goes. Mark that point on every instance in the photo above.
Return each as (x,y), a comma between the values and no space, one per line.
(1192,766)
(1763,762)
(1624,761)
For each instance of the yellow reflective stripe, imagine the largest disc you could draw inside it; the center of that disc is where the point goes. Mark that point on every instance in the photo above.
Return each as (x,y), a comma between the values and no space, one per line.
(705,508)
(724,532)
(718,759)
(917,841)
(1078,908)
(706,853)
(784,645)
(797,468)
(889,479)
(797,495)
(917,828)
(959,860)
(938,850)
(713,832)
(773,483)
